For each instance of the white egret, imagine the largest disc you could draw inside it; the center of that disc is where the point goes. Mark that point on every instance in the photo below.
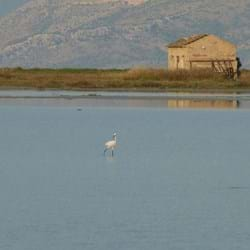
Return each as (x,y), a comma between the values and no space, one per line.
(111,145)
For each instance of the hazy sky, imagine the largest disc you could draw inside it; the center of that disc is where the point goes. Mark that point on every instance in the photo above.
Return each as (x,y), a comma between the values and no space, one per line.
(7,5)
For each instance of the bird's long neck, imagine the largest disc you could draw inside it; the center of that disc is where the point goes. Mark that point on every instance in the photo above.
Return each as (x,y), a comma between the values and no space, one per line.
(114,138)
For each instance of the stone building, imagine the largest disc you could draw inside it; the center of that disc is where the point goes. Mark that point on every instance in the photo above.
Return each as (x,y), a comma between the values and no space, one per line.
(203,51)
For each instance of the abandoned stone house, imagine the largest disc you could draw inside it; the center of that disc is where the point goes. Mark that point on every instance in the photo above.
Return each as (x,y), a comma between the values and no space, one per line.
(203,51)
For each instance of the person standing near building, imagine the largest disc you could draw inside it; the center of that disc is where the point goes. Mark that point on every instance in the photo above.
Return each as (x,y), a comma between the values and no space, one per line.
(238,67)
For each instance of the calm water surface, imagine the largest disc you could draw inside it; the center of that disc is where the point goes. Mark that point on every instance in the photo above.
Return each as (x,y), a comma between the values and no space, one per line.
(179,178)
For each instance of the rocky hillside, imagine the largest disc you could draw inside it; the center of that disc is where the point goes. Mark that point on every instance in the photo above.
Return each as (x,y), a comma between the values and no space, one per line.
(115,33)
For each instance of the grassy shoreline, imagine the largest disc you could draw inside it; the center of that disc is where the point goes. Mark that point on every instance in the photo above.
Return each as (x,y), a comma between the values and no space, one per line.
(138,79)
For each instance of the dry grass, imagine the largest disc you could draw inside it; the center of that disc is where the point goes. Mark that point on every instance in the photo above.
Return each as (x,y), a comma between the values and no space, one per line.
(167,75)
(244,80)
(144,78)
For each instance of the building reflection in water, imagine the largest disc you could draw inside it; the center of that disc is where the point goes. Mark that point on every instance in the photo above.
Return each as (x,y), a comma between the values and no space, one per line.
(218,104)
(143,102)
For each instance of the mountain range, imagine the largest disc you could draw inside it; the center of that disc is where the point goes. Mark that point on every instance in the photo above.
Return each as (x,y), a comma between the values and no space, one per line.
(115,33)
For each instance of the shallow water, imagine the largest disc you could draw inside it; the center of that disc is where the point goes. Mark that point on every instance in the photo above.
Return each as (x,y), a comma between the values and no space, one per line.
(179,178)
(125,99)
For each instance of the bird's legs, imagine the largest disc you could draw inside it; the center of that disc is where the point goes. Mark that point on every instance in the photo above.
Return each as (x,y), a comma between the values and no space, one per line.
(105,150)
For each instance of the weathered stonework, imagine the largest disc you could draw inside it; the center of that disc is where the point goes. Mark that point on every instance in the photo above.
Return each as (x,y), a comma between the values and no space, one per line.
(202,51)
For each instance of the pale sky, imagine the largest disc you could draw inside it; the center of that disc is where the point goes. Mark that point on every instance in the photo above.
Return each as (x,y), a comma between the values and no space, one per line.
(8,5)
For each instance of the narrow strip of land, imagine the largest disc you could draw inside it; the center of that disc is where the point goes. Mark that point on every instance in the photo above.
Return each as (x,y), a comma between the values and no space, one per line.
(126,80)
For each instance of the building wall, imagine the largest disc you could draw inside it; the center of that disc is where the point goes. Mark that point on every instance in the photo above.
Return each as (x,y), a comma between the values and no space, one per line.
(211,48)
(177,58)
(206,49)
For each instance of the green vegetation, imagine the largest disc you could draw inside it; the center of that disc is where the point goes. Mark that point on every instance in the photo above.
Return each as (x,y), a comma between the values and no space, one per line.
(137,78)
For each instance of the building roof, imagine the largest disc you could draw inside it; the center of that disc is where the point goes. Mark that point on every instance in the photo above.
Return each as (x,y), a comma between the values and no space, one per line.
(182,42)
